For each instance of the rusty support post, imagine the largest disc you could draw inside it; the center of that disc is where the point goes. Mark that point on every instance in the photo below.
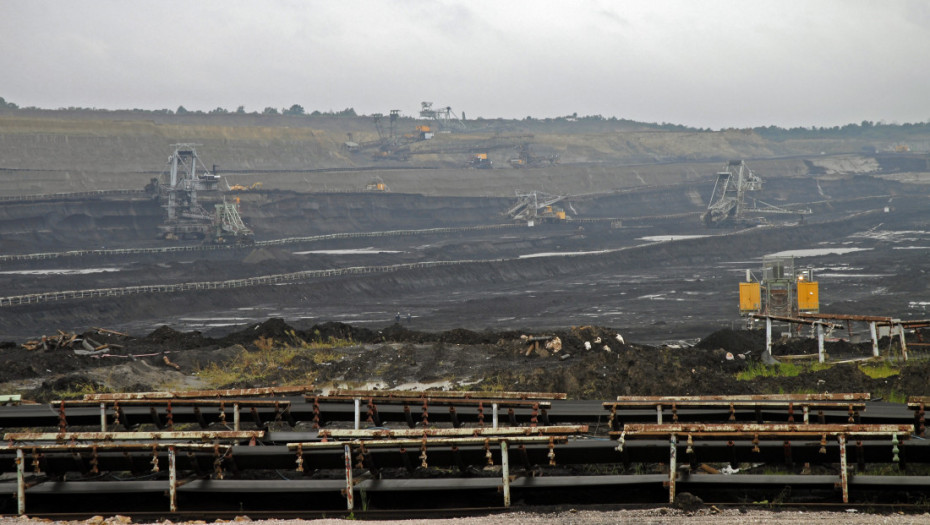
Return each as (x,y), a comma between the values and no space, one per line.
(236,417)
(20,482)
(494,415)
(316,413)
(672,466)
(807,414)
(844,475)
(480,414)
(350,498)
(505,472)
(820,349)
(103,417)
(408,416)
(172,480)
(62,421)
(357,418)
(874,335)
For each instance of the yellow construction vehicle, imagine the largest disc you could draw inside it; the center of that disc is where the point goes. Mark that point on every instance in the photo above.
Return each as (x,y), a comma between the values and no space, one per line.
(240,187)
(480,161)
(376,185)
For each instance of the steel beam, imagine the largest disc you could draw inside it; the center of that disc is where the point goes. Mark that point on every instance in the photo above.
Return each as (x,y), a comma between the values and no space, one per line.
(134,436)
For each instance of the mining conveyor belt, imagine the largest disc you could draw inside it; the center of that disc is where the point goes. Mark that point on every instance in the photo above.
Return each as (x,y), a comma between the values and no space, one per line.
(291,449)
(119,252)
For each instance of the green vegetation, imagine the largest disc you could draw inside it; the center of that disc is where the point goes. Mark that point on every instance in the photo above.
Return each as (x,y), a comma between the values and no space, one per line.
(273,362)
(760,370)
(879,370)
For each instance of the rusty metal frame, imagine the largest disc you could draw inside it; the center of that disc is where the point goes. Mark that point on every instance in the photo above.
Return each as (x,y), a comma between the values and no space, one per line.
(236,392)
(761,430)
(852,402)
(134,436)
(442,394)
(453,432)
(183,402)
(797,398)
(440,401)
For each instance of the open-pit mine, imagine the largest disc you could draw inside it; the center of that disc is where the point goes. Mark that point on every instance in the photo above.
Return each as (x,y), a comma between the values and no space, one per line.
(174,289)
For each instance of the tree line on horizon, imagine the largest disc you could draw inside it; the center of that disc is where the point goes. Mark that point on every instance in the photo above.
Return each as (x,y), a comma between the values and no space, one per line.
(864,129)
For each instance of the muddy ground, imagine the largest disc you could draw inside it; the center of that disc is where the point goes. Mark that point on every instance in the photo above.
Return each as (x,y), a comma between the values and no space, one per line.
(335,355)
(633,259)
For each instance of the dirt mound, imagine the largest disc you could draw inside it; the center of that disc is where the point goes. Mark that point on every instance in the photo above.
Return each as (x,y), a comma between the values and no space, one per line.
(733,341)
(168,337)
(336,330)
(913,380)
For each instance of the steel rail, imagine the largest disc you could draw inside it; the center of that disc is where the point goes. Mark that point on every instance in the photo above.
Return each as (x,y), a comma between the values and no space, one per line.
(324,414)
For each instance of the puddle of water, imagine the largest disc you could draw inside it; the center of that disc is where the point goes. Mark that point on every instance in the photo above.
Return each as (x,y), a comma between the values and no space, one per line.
(61,271)
(815,252)
(665,238)
(350,251)
(891,236)
(853,275)
(559,254)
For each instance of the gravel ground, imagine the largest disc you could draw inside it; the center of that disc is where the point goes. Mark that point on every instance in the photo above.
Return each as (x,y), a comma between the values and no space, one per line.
(585,517)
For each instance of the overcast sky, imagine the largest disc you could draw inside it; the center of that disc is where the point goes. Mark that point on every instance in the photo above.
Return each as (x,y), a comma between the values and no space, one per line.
(700,63)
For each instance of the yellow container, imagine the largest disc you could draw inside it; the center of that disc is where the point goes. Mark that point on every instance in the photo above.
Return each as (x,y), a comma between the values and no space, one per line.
(808,296)
(750,297)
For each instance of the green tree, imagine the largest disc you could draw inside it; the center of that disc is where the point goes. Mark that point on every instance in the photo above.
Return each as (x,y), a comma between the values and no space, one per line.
(7,105)
(240,110)
(182,110)
(270,111)
(296,109)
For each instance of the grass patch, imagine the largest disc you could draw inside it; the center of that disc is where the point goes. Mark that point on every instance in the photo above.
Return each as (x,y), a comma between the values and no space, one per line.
(755,370)
(893,396)
(273,362)
(879,370)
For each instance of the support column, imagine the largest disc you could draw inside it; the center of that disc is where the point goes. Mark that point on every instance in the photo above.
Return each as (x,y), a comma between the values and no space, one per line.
(505,472)
(903,341)
(844,475)
(358,413)
(20,482)
(659,414)
(874,335)
(672,467)
(494,415)
(820,350)
(236,417)
(350,498)
(172,480)
(768,337)
(103,417)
